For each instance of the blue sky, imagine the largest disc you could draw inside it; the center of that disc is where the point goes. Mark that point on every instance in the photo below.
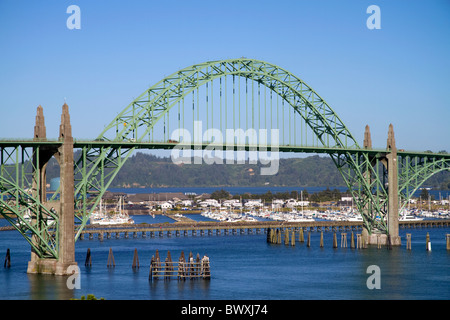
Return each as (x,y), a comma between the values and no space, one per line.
(398,74)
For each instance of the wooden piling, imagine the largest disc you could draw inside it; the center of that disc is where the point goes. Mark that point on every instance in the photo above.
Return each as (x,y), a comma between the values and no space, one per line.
(181,267)
(343,240)
(301,237)
(111,262)
(7,259)
(152,265)
(157,263)
(389,242)
(88,261)
(352,241)
(197,260)
(308,243)
(286,236)
(408,241)
(169,266)
(359,244)
(293,238)
(334,240)
(321,239)
(448,240)
(135,260)
(190,264)
(278,236)
(428,242)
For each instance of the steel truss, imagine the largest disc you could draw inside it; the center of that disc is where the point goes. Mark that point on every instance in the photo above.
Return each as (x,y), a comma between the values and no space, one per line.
(415,169)
(20,200)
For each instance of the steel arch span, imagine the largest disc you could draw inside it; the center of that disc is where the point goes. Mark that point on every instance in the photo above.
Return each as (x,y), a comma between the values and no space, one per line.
(151,106)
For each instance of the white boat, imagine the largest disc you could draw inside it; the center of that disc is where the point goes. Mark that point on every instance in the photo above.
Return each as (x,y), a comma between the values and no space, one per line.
(299,218)
(408,217)
(27,219)
(115,217)
(405,215)
(357,219)
(115,220)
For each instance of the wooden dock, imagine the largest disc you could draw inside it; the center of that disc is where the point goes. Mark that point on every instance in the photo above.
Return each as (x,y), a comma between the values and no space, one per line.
(192,228)
(224,228)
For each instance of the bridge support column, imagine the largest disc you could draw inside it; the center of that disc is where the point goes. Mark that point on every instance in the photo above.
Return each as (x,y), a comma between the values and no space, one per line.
(392,166)
(40,160)
(391,237)
(66,250)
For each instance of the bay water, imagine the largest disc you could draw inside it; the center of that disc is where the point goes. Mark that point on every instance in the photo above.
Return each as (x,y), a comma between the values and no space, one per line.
(243,267)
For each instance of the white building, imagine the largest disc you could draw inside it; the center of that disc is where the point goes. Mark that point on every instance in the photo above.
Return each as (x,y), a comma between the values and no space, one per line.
(209,203)
(291,203)
(253,203)
(166,205)
(186,203)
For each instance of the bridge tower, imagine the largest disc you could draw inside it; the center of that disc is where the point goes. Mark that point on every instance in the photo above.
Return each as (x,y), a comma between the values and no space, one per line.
(65,207)
(392,168)
(389,163)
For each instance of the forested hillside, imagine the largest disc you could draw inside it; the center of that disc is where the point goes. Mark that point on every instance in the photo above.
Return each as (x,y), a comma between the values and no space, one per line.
(145,170)
(148,170)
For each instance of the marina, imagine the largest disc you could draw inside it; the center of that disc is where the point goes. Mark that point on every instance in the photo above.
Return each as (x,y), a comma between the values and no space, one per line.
(224,228)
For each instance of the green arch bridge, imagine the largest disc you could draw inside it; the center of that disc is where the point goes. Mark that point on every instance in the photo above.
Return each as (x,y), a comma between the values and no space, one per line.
(220,108)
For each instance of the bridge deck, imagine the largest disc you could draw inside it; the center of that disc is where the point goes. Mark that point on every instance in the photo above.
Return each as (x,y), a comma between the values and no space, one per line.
(78,143)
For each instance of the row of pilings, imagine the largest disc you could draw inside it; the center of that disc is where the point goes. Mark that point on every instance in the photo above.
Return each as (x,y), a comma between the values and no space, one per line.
(184,269)
(289,236)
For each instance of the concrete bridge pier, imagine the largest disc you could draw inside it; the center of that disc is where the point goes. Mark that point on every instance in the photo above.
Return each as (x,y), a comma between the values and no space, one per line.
(392,237)
(64,156)
(392,167)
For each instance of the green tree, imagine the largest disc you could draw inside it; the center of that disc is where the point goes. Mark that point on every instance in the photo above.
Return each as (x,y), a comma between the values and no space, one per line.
(220,195)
